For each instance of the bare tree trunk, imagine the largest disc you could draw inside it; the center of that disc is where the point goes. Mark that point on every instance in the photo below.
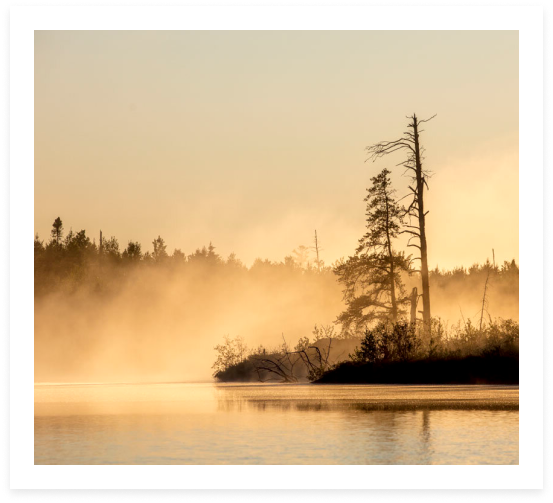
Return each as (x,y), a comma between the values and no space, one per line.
(484,301)
(317,250)
(422,228)
(391,257)
(414,299)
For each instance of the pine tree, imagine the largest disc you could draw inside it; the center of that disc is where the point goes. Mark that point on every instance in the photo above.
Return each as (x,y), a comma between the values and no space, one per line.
(372,277)
(57,231)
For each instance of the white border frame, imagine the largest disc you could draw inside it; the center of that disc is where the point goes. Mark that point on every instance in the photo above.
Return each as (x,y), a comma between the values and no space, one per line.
(24,474)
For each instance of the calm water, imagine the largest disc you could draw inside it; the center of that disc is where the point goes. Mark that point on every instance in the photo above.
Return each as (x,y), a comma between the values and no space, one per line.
(275,424)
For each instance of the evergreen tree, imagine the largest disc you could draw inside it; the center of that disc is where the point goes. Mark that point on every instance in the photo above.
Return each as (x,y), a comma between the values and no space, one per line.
(110,248)
(372,277)
(57,231)
(160,250)
(132,252)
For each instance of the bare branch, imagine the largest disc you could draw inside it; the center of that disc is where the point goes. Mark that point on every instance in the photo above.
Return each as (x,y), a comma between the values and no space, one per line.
(427,120)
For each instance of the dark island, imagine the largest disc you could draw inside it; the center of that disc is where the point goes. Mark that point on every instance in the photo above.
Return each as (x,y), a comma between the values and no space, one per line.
(402,353)
(492,369)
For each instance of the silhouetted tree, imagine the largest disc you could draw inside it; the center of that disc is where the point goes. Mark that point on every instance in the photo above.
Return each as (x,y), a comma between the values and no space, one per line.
(147,258)
(212,257)
(74,255)
(206,256)
(369,350)
(234,261)
(372,278)
(110,248)
(510,267)
(410,143)
(198,255)
(301,255)
(160,250)
(178,256)
(318,261)
(232,352)
(388,342)
(133,252)
(78,246)
(39,246)
(57,231)
(289,262)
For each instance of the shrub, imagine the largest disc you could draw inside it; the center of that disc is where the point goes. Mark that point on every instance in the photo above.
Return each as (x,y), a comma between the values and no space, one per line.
(231,353)
(387,342)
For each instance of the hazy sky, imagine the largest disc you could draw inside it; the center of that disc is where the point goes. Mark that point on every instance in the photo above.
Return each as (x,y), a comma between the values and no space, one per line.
(252,140)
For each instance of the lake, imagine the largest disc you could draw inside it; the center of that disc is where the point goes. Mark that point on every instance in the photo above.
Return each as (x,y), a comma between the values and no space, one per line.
(207,423)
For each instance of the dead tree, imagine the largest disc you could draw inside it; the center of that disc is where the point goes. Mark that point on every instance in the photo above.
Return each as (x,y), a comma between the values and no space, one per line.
(484,300)
(317,252)
(484,297)
(279,366)
(410,143)
(319,363)
(275,367)
(414,300)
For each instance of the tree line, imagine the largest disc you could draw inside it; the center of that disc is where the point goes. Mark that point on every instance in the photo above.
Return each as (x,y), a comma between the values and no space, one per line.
(73,259)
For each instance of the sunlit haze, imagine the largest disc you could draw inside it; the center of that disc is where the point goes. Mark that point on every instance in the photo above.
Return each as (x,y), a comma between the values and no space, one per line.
(252,140)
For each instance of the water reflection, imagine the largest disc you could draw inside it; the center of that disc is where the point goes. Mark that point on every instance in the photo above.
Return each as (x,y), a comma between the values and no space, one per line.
(344,399)
(239,404)
(293,424)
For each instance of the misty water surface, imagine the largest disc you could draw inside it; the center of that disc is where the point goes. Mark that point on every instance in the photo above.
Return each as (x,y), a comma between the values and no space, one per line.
(176,423)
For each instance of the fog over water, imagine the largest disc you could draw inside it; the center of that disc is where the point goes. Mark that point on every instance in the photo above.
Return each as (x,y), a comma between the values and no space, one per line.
(162,323)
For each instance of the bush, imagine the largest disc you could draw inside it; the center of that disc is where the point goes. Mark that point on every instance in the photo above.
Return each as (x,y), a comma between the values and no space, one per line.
(387,342)
(229,354)
(243,371)
(404,341)
(499,337)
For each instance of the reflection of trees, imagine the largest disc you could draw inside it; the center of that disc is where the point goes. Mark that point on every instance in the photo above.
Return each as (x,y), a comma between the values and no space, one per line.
(425,431)
(354,430)
(236,401)
(426,447)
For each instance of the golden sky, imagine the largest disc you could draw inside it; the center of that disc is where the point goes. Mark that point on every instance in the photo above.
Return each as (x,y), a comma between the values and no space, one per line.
(252,140)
